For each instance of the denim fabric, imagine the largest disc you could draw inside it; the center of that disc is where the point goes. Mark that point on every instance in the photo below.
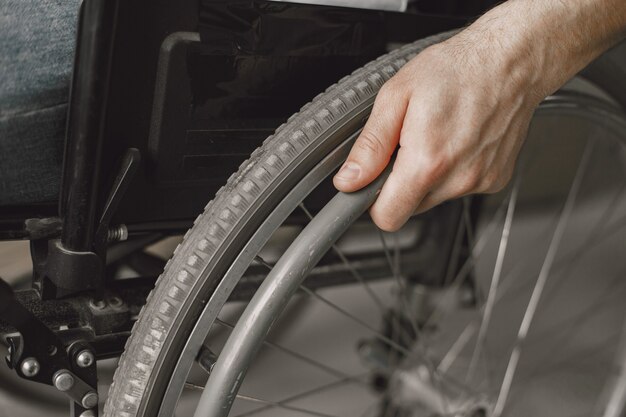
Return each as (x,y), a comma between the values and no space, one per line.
(37,40)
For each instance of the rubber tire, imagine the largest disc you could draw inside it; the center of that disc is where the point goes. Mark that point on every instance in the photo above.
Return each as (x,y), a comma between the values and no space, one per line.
(237,209)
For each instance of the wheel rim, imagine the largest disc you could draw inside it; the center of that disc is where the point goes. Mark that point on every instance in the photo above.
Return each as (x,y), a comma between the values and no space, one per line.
(592,108)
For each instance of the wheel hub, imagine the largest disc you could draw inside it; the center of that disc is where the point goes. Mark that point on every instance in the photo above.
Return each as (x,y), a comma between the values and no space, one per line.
(418,388)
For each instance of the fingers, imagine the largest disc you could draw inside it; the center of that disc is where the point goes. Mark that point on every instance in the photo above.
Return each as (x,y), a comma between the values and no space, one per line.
(376,143)
(403,191)
(433,199)
(466,182)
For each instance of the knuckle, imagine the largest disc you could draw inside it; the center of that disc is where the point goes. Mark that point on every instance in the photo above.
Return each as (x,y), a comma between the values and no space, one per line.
(493,182)
(385,216)
(370,142)
(496,188)
(388,93)
(386,90)
(436,169)
(469,183)
(473,179)
(392,91)
(386,223)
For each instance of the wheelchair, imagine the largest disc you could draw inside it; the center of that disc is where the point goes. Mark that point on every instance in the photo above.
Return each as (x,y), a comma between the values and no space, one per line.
(283,298)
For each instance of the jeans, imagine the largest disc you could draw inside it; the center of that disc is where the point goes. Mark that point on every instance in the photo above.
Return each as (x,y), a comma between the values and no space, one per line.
(37,40)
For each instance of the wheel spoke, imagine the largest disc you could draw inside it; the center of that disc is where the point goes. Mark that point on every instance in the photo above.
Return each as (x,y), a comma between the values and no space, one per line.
(467,220)
(432,370)
(464,229)
(475,252)
(587,352)
(345,313)
(581,317)
(457,348)
(495,281)
(268,403)
(356,320)
(456,249)
(601,232)
(305,394)
(615,391)
(283,406)
(303,358)
(430,367)
(402,289)
(357,276)
(466,335)
(541,281)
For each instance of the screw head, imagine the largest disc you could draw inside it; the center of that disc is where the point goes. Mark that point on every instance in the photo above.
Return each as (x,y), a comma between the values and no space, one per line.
(116,302)
(52,350)
(87,413)
(85,359)
(97,304)
(90,400)
(207,359)
(63,380)
(30,367)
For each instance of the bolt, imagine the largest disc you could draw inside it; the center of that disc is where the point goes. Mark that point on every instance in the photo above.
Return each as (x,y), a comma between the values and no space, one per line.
(63,380)
(52,350)
(118,233)
(90,400)
(87,413)
(116,302)
(97,304)
(207,359)
(30,367)
(85,358)
(374,354)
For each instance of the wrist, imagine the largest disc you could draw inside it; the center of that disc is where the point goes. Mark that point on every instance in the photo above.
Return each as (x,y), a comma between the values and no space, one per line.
(542,44)
(502,45)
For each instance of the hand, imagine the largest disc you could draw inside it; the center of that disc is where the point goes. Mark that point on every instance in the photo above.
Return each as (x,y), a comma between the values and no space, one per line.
(460,110)
(459,118)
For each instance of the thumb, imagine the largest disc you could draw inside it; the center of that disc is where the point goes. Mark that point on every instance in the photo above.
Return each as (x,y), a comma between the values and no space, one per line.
(373,148)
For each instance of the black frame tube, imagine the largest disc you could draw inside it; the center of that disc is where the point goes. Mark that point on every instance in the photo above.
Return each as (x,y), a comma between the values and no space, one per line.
(79,194)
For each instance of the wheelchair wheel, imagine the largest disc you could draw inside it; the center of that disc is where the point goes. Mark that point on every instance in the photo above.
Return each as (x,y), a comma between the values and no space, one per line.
(526,317)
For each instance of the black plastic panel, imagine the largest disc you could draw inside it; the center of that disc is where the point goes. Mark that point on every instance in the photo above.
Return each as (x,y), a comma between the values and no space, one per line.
(212,113)
(196,107)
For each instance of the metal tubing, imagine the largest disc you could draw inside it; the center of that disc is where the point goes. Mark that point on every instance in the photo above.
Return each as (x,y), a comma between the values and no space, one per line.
(274,294)
(85,123)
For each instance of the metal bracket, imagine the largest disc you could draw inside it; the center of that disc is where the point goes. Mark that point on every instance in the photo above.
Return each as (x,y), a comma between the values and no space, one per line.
(129,165)
(60,263)
(59,271)
(38,355)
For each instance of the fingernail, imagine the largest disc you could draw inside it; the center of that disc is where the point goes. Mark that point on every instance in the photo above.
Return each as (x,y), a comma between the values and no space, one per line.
(349,171)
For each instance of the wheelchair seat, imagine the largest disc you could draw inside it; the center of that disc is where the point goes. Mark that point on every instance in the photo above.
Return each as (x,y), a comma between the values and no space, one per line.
(36,52)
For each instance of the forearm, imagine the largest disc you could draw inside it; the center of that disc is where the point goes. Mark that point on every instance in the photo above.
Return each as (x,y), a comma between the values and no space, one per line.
(549,41)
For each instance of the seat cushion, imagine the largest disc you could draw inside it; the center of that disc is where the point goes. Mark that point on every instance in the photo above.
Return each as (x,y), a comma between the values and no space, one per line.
(37,40)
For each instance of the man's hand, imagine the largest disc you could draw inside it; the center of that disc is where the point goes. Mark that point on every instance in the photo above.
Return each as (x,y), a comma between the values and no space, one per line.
(459,118)
(460,110)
